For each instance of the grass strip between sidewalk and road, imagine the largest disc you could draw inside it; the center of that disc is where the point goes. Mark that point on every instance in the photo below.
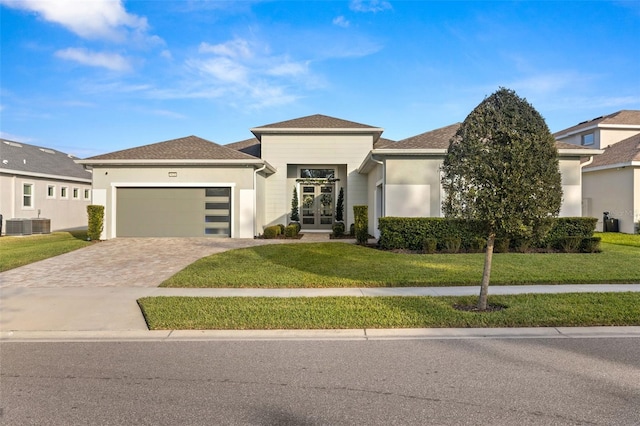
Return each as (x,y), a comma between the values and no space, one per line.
(267,313)
(347,265)
(20,251)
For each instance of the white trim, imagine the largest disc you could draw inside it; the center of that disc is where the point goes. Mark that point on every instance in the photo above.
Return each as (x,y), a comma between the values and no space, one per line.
(595,127)
(612,166)
(64,189)
(51,197)
(32,196)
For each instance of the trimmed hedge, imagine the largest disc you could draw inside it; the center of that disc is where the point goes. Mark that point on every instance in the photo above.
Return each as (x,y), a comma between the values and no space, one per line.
(410,233)
(361,219)
(95,215)
(338,229)
(271,232)
(292,230)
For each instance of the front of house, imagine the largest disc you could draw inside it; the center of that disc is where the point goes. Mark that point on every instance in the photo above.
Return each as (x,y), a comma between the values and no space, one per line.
(191,187)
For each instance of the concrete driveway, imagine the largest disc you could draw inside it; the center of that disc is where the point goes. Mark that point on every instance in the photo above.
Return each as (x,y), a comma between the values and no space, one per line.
(121,262)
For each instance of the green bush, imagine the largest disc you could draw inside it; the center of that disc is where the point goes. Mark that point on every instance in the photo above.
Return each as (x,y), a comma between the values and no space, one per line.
(338,229)
(291,230)
(430,245)
(410,232)
(361,219)
(297,225)
(522,245)
(591,245)
(95,215)
(501,245)
(569,244)
(271,232)
(478,244)
(281,226)
(452,244)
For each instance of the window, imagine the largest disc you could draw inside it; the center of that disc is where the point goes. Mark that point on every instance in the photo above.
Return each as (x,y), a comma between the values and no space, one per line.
(317,173)
(51,191)
(64,192)
(87,194)
(76,193)
(587,139)
(27,195)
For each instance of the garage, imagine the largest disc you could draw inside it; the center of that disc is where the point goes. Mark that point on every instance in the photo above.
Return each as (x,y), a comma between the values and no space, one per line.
(173,212)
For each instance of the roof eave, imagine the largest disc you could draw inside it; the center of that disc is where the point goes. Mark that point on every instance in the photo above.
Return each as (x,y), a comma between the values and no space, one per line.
(190,162)
(612,166)
(259,131)
(45,175)
(578,152)
(370,161)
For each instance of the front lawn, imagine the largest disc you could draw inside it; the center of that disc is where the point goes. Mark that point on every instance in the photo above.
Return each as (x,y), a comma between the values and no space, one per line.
(20,251)
(527,310)
(348,265)
(632,240)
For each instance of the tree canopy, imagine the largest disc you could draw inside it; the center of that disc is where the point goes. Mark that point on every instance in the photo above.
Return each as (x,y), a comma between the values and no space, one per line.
(502,168)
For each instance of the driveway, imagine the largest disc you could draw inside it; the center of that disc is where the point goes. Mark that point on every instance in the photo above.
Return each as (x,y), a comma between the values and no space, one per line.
(121,262)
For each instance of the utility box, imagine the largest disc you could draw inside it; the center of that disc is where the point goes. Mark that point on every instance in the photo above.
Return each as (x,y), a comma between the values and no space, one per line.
(19,227)
(41,226)
(611,225)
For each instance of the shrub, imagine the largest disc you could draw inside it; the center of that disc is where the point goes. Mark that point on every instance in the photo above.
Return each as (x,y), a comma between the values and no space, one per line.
(570,244)
(522,245)
(95,215)
(281,226)
(478,244)
(501,245)
(361,218)
(452,244)
(591,245)
(340,205)
(338,229)
(429,245)
(295,215)
(291,230)
(297,225)
(271,232)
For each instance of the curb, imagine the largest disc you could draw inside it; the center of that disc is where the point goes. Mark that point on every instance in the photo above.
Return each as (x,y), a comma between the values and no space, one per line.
(319,335)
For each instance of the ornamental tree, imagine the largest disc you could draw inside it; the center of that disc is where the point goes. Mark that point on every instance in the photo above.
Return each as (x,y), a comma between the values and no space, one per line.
(502,169)
(295,216)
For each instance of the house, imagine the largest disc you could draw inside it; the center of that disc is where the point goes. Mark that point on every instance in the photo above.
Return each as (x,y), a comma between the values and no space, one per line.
(194,187)
(611,181)
(38,182)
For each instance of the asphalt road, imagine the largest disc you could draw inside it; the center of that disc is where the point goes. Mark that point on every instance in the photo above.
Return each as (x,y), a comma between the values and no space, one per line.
(428,382)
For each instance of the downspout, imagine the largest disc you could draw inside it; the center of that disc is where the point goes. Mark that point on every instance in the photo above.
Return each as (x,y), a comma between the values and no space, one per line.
(384,189)
(255,198)
(585,164)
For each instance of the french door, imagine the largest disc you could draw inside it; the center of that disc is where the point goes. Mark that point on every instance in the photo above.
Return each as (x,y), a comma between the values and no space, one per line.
(317,206)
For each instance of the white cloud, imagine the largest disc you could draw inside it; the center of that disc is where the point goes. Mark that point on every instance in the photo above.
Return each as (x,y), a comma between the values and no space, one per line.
(222,69)
(341,21)
(111,61)
(289,69)
(237,48)
(370,5)
(95,19)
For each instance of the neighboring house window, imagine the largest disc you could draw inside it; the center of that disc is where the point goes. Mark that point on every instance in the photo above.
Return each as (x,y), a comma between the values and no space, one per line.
(588,139)
(64,192)
(76,193)
(86,194)
(51,191)
(27,195)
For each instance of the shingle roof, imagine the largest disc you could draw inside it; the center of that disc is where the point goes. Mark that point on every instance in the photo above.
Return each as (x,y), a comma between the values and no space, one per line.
(249,146)
(27,158)
(628,117)
(383,143)
(622,152)
(317,121)
(188,148)
(435,139)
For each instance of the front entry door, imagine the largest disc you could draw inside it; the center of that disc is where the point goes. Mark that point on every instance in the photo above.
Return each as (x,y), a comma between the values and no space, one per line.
(317,206)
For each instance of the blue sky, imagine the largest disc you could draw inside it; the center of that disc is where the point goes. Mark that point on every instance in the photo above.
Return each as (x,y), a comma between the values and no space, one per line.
(89,77)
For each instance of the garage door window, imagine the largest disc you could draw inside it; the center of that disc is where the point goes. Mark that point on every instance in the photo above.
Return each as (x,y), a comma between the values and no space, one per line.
(217,217)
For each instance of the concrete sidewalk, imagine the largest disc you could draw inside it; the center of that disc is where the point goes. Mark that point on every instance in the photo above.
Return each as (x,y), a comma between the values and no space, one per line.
(30,314)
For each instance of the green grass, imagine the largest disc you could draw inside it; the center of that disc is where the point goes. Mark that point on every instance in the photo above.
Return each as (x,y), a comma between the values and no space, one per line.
(527,310)
(20,251)
(348,265)
(632,240)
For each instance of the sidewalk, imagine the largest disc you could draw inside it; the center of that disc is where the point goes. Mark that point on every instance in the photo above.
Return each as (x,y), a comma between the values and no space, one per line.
(109,313)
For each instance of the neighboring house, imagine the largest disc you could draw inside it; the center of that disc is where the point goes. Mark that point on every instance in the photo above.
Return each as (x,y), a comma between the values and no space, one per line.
(193,187)
(611,182)
(42,182)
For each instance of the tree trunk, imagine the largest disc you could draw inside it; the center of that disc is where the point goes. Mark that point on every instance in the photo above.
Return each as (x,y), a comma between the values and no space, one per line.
(486,274)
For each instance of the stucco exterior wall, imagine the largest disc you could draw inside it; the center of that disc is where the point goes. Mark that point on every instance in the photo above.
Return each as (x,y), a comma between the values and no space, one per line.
(412,187)
(611,136)
(612,190)
(106,180)
(343,152)
(65,212)
(571,187)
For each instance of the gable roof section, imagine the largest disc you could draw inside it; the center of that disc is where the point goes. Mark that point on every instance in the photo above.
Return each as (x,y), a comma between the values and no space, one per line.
(317,123)
(620,119)
(623,153)
(22,158)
